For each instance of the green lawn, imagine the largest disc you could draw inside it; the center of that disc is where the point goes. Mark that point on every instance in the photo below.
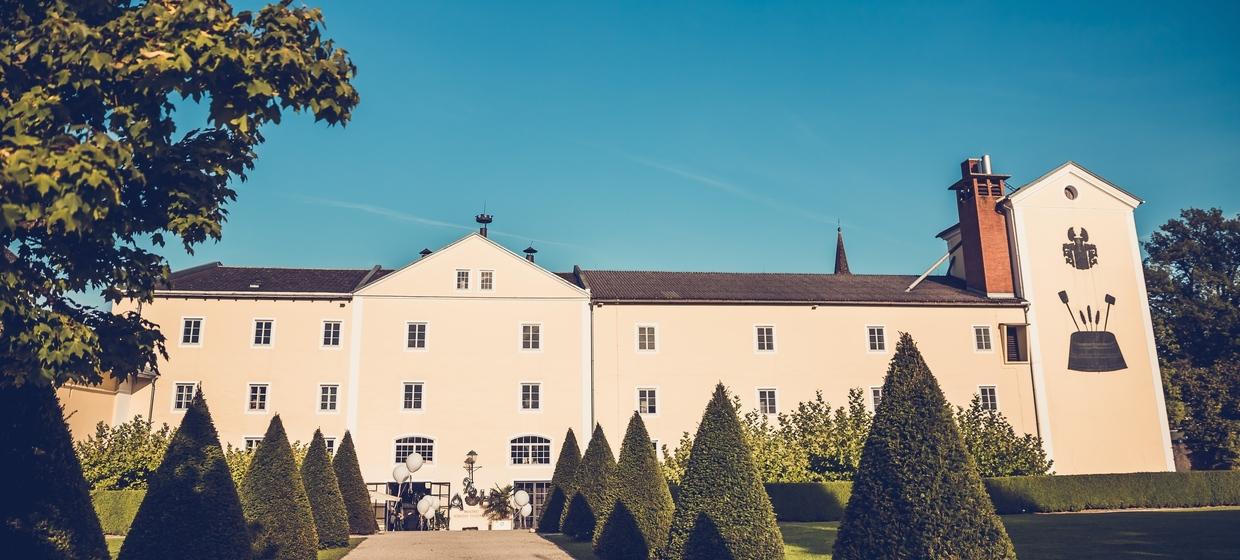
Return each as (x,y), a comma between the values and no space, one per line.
(114,547)
(1148,535)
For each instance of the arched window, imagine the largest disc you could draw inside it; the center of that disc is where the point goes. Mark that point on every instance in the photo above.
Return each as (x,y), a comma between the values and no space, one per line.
(407,446)
(531,450)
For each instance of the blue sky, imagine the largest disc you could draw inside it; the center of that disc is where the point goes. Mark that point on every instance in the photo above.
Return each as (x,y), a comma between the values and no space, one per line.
(719,136)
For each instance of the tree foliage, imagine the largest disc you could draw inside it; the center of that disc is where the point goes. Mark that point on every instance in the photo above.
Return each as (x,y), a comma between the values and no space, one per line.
(45,511)
(561,484)
(191,509)
(994,445)
(918,494)
(274,500)
(589,488)
(353,488)
(331,519)
(95,171)
(637,508)
(239,459)
(123,456)
(1210,400)
(722,505)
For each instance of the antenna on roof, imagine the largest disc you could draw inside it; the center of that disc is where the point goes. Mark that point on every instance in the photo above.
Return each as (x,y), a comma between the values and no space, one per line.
(483,219)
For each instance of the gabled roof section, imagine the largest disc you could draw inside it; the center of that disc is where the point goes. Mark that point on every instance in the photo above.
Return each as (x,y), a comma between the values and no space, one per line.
(1100,182)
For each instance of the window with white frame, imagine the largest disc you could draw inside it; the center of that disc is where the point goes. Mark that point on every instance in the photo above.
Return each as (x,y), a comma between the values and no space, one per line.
(486,280)
(252,443)
(331,333)
(531,450)
(981,338)
(328,395)
(407,446)
(876,396)
(191,331)
(657,453)
(989,397)
(877,338)
(415,335)
(330,442)
(531,396)
(412,396)
(258,397)
(766,401)
(647,401)
(183,395)
(462,279)
(646,338)
(262,332)
(531,336)
(538,491)
(766,338)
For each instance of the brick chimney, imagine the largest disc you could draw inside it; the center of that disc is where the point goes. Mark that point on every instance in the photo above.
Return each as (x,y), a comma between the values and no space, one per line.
(983,228)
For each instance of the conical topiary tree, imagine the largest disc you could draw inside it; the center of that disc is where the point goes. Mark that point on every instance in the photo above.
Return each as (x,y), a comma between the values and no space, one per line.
(722,503)
(589,484)
(353,488)
(331,519)
(917,493)
(191,509)
(275,503)
(561,484)
(637,509)
(45,511)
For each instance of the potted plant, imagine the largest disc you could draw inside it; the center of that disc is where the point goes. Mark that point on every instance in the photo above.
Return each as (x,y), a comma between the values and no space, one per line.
(498,508)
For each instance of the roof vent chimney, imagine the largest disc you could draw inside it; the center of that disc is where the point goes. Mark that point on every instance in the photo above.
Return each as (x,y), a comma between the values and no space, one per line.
(529,253)
(986,164)
(483,219)
(425,253)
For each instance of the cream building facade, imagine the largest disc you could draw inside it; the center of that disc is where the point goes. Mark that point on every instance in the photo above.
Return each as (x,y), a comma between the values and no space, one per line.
(1042,312)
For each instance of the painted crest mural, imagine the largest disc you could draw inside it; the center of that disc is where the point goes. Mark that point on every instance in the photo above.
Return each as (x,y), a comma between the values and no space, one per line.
(1092,348)
(1080,253)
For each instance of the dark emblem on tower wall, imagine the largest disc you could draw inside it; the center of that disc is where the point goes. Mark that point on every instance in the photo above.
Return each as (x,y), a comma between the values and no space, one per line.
(1080,253)
(1092,347)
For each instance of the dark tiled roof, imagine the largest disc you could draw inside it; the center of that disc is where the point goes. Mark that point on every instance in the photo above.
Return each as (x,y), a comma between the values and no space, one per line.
(613,285)
(217,278)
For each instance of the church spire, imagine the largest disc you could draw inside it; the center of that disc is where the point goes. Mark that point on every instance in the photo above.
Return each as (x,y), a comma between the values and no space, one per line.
(841,258)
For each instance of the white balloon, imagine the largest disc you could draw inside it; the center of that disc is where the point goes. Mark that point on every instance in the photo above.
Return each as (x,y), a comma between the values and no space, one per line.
(521,497)
(400,473)
(429,513)
(414,462)
(526,510)
(435,502)
(425,504)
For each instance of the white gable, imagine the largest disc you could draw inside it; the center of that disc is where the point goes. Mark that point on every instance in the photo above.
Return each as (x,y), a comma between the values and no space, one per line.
(1090,189)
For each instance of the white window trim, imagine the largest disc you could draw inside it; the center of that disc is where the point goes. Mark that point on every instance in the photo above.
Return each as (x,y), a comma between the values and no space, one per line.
(996,390)
(257,441)
(550,455)
(331,449)
(400,402)
(774,331)
(492,288)
(758,393)
(521,337)
(267,408)
(202,331)
(520,398)
(254,330)
(658,451)
(658,400)
(426,336)
(873,405)
(991,334)
(322,331)
(318,398)
(173,405)
(637,338)
(886,345)
(469,280)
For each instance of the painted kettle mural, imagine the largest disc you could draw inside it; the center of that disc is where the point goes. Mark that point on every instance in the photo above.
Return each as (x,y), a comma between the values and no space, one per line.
(1092,347)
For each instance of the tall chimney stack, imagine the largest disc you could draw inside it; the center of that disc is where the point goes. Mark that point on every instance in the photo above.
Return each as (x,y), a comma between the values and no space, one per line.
(483,219)
(983,228)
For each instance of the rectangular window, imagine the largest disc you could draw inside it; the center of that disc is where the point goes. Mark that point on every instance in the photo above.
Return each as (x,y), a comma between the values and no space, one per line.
(647,401)
(412,396)
(331,446)
(462,279)
(184,395)
(531,396)
(258,397)
(981,339)
(766,338)
(877,338)
(331,333)
(191,332)
(1016,341)
(262,332)
(327,397)
(531,337)
(486,280)
(876,396)
(766,401)
(538,491)
(251,443)
(416,335)
(989,397)
(646,338)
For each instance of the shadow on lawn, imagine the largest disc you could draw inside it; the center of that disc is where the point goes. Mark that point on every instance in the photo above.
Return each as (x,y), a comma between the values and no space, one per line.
(1198,534)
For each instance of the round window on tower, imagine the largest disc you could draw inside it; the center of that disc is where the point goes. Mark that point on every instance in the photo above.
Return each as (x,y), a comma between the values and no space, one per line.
(1070,192)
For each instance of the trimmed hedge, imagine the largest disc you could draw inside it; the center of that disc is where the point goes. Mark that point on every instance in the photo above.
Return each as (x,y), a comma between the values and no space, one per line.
(275,503)
(353,490)
(561,484)
(636,511)
(810,501)
(589,488)
(117,508)
(331,519)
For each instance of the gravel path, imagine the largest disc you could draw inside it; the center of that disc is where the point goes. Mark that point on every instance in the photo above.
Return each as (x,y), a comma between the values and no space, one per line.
(463,545)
